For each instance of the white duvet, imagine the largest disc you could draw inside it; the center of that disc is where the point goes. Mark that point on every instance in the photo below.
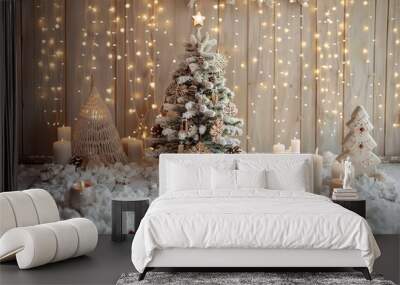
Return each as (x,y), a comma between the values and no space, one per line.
(252,218)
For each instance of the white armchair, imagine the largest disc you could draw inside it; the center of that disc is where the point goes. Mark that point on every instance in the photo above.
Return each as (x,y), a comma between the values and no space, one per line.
(31,230)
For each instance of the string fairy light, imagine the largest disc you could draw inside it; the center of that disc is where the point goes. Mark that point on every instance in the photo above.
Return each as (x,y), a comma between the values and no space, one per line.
(97,49)
(329,71)
(285,57)
(50,61)
(394,60)
(141,84)
(138,24)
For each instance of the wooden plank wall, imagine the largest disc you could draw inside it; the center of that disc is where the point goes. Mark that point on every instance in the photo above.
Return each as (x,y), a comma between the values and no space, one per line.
(392,135)
(261,78)
(379,91)
(297,71)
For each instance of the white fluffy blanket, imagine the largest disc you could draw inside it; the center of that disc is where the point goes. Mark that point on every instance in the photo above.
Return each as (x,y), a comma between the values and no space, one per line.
(250,219)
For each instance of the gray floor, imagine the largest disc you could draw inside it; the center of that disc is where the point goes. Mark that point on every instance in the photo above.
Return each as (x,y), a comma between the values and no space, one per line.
(109,260)
(103,266)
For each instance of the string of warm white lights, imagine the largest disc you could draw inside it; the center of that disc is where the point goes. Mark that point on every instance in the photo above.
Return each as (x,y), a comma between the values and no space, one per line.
(329,74)
(50,60)
(141,30)
(394,59)
(265,51)
(140,54)
(97,47)
(285,52)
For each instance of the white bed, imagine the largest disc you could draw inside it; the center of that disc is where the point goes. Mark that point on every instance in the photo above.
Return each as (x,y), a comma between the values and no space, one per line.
(249,227)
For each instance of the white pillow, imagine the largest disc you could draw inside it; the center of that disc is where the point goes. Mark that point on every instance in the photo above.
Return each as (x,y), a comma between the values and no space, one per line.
(283,173)
(224,179)
(251,178)
(294,178)
(184,177)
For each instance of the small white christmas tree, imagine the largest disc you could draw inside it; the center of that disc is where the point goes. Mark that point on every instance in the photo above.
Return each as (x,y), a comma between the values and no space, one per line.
(198,113)
(358,144)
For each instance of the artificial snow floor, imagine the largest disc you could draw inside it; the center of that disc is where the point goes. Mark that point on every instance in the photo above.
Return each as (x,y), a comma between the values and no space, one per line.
(116,181)
(134,181)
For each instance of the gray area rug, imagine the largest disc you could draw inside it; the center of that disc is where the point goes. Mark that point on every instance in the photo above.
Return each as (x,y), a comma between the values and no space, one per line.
(269,278)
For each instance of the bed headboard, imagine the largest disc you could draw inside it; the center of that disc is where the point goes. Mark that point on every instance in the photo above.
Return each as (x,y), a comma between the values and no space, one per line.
(214,159)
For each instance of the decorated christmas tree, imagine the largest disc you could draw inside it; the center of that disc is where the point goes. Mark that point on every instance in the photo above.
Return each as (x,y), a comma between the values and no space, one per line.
(198,113)
(358,144)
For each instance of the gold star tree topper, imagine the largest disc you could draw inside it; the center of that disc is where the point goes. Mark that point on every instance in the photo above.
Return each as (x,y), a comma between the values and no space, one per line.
(198,19)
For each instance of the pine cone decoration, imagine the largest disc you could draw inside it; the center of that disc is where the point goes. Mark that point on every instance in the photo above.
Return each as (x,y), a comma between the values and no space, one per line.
(200,148)
(171,90)
(181,90)
(217,129)
(208,92)
(182,72)
(156,131)
(234,149)
(230,109)
(191,91)
(76,160)
(190,47)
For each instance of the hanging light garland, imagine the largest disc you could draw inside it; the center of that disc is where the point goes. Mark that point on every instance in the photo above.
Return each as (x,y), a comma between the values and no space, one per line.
(333,53)
(92,47)
(395,61)
(50,61)
(141,85)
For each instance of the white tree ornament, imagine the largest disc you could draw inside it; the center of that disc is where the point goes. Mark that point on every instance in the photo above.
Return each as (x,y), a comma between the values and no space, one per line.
(348,169)
(358,144)
(95,137)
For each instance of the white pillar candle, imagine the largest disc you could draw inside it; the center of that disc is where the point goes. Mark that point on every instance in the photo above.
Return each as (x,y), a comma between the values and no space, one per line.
(278,148)
(135,150)
(295,145)
(62,151)
(64,133)
(318,166)
(81,195)
(125,141)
